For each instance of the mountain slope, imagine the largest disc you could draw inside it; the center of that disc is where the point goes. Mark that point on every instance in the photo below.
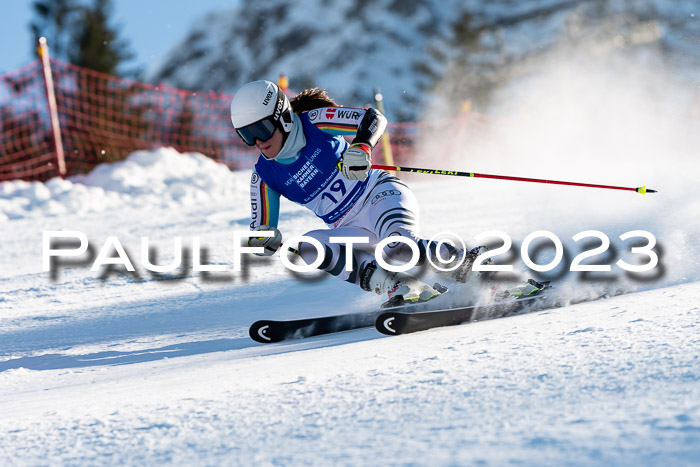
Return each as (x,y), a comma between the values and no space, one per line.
(414,50)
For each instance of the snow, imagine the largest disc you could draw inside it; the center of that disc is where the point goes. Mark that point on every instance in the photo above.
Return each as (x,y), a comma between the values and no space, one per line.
(612,383)
(164,179)
(414,52)
(110,367)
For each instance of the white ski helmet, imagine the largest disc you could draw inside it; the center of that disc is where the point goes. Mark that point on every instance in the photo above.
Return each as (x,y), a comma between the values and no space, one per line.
(257,109)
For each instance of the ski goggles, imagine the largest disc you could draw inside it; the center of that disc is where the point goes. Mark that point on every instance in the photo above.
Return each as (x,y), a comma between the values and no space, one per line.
(262,130)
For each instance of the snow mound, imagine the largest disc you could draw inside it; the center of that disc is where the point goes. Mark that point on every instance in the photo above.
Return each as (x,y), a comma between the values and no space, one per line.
(160,178)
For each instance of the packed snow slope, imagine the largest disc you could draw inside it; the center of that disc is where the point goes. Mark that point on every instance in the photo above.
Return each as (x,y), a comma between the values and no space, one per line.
(111,367)
(137,369)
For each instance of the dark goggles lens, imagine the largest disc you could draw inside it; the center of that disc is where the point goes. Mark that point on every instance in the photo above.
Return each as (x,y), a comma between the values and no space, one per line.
(261,130)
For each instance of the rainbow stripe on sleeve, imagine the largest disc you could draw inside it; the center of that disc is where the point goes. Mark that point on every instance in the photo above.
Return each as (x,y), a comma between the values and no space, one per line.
(265,203)
(270,205)
(337,129)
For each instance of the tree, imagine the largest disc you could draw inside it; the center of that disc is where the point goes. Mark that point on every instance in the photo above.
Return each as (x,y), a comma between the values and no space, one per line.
(81,34)
(54,20)
(98,45)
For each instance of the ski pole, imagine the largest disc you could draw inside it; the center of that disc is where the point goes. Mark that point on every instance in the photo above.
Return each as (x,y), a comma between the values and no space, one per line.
(642,189)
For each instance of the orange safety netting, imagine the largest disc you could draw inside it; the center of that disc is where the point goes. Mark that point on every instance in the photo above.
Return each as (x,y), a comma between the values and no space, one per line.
(104,118)
(26,149)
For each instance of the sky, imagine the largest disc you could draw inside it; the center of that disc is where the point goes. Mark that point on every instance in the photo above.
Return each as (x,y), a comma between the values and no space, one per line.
(152,27)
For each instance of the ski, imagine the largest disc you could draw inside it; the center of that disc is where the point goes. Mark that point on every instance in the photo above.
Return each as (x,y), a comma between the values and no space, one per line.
(402,317)
(270,331)
(396,322)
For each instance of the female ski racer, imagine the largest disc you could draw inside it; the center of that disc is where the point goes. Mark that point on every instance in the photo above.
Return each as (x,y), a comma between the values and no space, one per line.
(305,159)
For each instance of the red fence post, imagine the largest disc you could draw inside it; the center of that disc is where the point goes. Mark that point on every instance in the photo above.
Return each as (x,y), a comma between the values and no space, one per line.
(53,112)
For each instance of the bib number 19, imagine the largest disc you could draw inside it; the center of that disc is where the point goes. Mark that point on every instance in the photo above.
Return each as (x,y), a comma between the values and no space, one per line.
(337,187)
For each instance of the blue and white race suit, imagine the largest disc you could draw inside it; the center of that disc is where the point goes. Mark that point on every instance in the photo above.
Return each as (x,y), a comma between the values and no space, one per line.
(377,208)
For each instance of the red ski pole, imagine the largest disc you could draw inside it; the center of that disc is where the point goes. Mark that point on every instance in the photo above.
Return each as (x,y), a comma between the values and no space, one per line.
(642,189)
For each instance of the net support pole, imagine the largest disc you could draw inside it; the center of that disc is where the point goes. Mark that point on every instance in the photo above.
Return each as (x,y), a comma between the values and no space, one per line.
(60,160)
(386,143)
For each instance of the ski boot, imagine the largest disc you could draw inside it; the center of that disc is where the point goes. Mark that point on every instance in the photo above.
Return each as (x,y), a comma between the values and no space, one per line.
(528,289)
(401,288)
(531,287)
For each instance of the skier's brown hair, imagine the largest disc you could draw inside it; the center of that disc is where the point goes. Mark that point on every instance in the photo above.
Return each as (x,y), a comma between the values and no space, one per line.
(309,99)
